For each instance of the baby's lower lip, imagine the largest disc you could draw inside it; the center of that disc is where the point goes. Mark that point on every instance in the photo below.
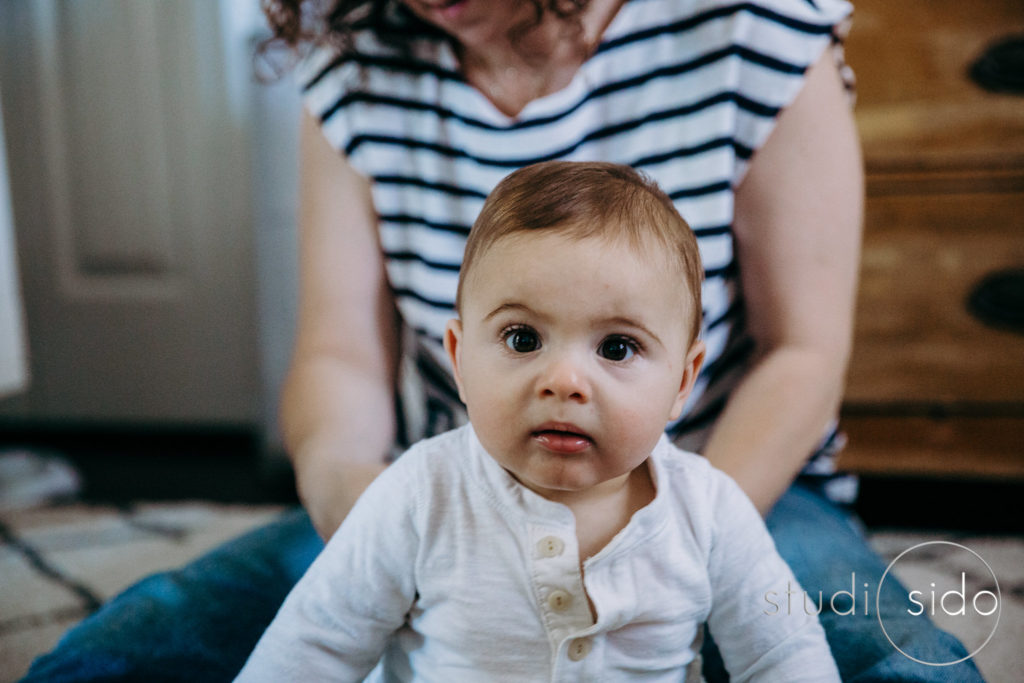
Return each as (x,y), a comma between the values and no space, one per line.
(562,442)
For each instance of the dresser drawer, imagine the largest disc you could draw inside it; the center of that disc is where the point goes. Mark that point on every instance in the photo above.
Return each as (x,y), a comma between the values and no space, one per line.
(968,446)
(915,341)
(917,108)
(932,391)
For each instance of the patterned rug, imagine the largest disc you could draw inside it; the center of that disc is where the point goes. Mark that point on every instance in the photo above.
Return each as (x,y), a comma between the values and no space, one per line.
(59,562)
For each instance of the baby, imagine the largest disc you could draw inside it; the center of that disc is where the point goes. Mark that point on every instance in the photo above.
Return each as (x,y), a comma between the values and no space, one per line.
(560,535)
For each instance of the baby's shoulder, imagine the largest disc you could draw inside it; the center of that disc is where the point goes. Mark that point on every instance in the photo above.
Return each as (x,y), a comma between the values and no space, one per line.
(691,478)
(705,502)
(436,458)
(439,445)
(426,472)
(681,466)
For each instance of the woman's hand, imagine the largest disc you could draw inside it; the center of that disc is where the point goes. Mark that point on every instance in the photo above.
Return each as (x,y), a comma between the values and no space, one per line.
(337,409)
(797,224)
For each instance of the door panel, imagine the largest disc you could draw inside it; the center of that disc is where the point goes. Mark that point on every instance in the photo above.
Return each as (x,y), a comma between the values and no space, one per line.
(129,170)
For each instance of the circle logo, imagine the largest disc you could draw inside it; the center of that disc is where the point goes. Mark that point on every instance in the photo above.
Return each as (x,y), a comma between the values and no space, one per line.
(954,596)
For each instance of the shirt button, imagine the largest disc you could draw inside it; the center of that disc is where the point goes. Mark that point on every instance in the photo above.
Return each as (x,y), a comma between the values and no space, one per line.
(550,546)
(559,600)
(579,648)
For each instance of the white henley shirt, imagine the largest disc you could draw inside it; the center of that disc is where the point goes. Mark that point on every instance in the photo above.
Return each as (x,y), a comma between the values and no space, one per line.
(451,570)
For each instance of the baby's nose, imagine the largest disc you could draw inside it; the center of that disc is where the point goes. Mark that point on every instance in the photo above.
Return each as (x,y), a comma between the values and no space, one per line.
(565,378)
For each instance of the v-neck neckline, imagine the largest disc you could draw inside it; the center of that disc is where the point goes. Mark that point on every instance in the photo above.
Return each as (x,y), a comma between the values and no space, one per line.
(544,104)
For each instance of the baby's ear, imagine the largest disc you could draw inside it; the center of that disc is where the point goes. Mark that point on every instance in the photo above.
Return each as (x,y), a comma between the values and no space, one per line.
(453,346)
(694,361)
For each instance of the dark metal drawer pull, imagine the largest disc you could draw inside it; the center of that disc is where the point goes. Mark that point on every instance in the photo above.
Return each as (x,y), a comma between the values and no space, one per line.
(998,300)
(1001,67)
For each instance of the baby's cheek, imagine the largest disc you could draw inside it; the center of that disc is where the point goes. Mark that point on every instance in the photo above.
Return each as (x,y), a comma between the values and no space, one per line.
(639,430)
(491,416)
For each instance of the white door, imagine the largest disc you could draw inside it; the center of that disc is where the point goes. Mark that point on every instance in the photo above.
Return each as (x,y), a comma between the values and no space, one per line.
(13,373)
(130,179)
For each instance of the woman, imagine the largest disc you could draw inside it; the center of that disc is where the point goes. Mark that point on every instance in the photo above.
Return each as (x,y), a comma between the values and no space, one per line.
(500,99)
(739,112)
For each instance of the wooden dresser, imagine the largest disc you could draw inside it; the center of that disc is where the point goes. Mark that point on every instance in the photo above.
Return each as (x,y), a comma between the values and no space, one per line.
(932,390)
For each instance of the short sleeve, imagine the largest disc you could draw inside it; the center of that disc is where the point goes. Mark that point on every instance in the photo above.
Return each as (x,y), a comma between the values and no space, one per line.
(373,90)
(778,41)
(326,79)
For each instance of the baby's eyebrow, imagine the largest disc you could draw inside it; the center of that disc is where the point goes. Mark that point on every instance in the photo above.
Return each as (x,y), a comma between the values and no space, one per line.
(508,306)
(629,322)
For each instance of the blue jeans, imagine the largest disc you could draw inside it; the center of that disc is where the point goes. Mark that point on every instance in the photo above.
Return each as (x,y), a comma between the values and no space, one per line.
(199,623)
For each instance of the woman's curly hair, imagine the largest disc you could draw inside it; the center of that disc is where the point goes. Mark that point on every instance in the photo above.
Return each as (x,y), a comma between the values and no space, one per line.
(299,22)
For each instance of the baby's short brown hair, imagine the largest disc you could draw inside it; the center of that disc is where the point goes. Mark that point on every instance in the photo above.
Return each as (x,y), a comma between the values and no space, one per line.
(587,199)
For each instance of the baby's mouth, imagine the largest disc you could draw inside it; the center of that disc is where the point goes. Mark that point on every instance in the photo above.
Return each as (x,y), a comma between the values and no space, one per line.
(562,438)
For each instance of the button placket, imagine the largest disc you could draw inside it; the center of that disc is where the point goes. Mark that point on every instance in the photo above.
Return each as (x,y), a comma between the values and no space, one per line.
(558,585)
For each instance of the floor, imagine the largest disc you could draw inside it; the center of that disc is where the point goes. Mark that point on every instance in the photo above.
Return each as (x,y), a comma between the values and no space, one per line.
(58,561)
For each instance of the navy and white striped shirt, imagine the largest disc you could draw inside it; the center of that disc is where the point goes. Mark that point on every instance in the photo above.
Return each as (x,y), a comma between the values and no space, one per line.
(684,90)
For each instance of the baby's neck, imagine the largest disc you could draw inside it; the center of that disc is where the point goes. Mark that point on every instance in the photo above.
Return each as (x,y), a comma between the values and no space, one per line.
(600,517)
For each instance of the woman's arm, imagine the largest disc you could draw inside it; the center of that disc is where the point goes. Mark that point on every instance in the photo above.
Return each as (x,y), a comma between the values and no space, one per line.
(337,408)
(797,224)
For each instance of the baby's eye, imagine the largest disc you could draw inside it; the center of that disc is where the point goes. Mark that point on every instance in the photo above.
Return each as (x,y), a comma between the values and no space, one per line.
(522,340)
(617,348)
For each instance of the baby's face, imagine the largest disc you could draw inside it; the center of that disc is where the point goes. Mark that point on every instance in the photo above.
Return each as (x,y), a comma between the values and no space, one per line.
(571,356)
